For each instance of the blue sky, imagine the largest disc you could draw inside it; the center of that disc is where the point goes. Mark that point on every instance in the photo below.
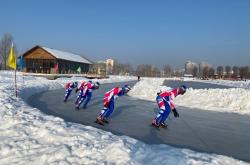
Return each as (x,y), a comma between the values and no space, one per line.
(134,31)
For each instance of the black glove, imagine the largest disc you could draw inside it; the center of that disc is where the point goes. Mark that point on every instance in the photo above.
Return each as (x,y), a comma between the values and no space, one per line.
(176,114)
(76,90)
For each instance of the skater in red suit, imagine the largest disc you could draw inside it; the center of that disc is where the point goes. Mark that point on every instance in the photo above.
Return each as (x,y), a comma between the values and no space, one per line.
(109,103)
(166,104)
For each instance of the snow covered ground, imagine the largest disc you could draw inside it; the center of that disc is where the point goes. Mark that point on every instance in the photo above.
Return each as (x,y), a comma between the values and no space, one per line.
(236,100)
(29,136)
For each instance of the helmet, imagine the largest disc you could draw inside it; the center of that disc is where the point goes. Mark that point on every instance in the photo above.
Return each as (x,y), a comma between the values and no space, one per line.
(75,83)
(96,85)
(126,88)
(90,81)
(183,87)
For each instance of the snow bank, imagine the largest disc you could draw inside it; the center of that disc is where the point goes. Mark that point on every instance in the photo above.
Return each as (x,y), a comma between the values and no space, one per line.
(234,100)
(238,84)
(28,85)
(111,79)
(30,137)
(146,88)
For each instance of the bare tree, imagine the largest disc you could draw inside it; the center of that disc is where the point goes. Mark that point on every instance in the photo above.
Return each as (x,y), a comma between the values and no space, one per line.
(195,71)
(125,69)
(178,73)
(156,72)
(228,71)
(236,71)
(205,71)
(147,70)
(211,72)
(128,69)
(139,70)
(116,67)
(122,69)
(167,70)
(244,72)
(220,71)
(5,45)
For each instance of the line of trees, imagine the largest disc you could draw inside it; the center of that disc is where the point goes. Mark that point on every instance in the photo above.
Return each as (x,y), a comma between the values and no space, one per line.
(145,70)
(233,72)
(148,70)
(122,69)
(227,71)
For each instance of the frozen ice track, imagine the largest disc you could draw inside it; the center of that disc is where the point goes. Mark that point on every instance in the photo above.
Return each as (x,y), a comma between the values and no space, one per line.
(221,133)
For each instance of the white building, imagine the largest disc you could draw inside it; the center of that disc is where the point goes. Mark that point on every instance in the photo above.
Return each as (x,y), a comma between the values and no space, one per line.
(110,66)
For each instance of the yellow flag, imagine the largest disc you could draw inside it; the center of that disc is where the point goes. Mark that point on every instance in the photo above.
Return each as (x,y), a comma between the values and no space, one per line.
(11,61)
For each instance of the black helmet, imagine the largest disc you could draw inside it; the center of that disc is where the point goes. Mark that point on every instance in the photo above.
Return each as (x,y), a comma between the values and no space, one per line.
(183,88)
(126,88)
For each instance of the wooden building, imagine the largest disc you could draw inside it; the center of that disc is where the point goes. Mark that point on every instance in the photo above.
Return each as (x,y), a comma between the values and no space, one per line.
(46,60)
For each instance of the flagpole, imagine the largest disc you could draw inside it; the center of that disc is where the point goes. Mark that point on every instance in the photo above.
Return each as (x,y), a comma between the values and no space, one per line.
(23,78)
(15,83)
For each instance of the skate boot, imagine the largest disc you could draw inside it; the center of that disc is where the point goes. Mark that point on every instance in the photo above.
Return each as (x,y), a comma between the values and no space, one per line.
(77,107)
(163,125)
(99,121)
(105,120)
(154,123)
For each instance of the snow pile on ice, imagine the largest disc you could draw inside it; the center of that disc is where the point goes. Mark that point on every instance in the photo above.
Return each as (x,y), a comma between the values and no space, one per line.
(235,100)
(111,79)
(147,88)
(238,84)
(30,137)
(34,87)
(227,100)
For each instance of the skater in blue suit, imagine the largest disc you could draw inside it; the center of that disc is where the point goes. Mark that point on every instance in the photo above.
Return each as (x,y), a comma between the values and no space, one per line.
(69,87)
(87,94)
(108,101)
(80,89)
(166,105)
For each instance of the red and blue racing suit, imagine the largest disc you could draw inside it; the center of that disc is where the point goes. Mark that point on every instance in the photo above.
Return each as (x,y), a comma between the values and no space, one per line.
(166,104)
(108,101)
(80,88)
(86,93)
(69,87)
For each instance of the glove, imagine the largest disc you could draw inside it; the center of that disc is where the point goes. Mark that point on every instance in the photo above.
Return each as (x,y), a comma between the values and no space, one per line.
(76,90)
(176,114)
